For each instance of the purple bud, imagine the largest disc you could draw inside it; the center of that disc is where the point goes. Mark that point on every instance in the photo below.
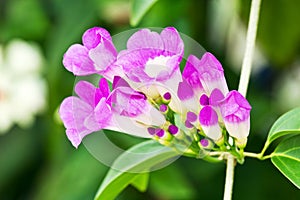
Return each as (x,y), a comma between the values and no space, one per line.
(188,124)
(173,129)
(191,117)
(204,100)
(208,118)
(151,130)
(216,97)
(185,91)
(235,110)
(211,74)
(204,142)
(163,108)
(167,96)
(160,132)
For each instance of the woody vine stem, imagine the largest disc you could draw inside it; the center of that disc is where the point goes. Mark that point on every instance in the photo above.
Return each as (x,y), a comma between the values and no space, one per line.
(243,84)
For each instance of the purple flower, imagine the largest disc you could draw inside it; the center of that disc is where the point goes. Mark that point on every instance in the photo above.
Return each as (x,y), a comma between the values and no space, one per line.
(151,57)
(96,55)
(79,114)
(150,97)
(122,110)
(235,111)
(210,73)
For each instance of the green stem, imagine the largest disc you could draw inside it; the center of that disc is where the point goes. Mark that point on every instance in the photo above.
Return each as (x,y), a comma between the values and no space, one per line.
(252,155)
(264,149)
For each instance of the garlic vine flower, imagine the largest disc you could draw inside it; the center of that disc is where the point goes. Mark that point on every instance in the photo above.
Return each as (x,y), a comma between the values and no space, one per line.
(150,97)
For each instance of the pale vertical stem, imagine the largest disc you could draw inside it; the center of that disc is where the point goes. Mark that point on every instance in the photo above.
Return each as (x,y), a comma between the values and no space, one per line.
(229,178)
(250,43)
(243,84)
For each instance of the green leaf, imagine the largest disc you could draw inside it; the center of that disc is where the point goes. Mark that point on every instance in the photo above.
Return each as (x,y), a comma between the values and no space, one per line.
(286,158)
(172,182)
(138,9)
(288,123)
(140,182)
(126,170)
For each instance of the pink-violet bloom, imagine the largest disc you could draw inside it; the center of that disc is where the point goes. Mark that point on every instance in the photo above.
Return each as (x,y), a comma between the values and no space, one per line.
(235,111)
(150,97)
(151,57)
(87,113)
(123,110)
(211,73)
(96,55)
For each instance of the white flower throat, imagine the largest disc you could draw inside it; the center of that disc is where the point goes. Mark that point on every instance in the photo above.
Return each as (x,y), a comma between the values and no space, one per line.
(155,66)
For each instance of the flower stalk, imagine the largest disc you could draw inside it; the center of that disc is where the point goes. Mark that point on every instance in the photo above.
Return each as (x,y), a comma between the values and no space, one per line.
(250,44)
(243,84)
(229,177)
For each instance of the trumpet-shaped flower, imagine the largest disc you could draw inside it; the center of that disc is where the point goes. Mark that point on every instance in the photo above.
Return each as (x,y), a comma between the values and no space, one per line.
(211,73)
(96,55)
(81,115)
(235,111)
(98,108)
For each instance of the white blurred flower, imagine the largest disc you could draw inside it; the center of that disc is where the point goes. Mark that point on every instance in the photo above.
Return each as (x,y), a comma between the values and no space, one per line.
(287,88)
(22,89)
(228,33)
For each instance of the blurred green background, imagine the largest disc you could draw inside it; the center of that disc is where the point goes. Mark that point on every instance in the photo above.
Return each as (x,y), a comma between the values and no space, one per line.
(39,162)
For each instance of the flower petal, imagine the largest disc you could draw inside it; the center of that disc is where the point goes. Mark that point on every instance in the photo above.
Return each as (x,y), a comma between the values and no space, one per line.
(211,74)
(145,39)
(86,91)
(73,112)
(186,94)
(119,82)
(129,126)
(134,62)
(208,118)
(173,43)
(128,102)
(185,91)
(216,97)
(190,74)
(93,36)
(103,55)
(76,60)
(100,118)
(102,91)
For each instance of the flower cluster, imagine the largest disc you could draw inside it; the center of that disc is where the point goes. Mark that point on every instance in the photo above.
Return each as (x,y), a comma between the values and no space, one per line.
(149,96)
